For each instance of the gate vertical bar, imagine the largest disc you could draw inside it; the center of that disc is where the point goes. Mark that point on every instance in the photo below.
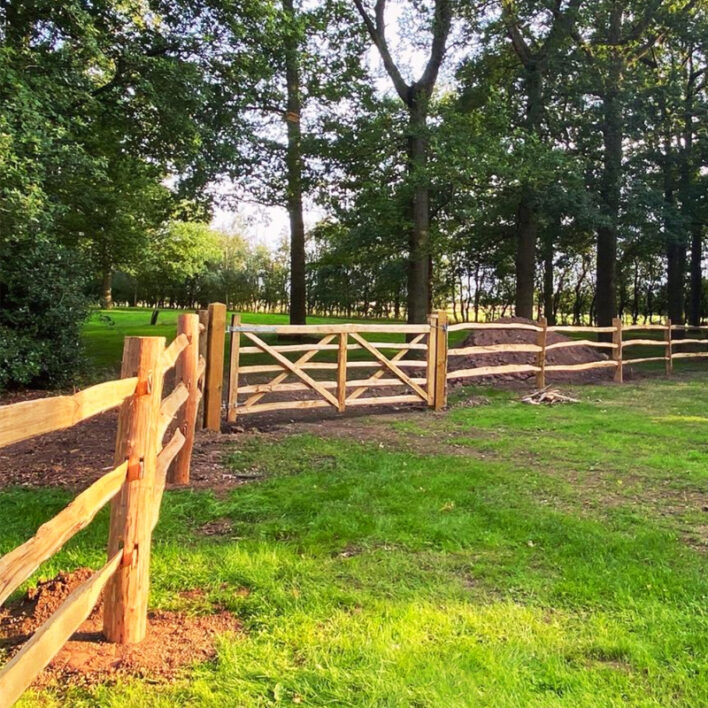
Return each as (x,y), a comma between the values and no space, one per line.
(342,372)
(669,349)
(234,351)
(441,361)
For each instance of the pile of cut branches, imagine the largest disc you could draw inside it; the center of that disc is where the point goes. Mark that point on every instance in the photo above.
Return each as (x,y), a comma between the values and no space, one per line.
(548,395)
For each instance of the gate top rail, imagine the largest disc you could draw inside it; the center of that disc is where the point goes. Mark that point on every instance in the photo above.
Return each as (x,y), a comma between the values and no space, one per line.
(345,328)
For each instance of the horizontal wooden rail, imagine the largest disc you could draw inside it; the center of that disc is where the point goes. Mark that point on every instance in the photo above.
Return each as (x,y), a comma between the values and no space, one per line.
(21,421)
(170,406)
(493,371)
(164,460)
(638,327)
(583,367)
(643,343)
(17,565)
(690,327)
(461,326)
(580,343)
(333,329)
(688,355)
(283,405)
(581,328)
(171,353)
(494,348)
(674,342)
(285,348)
(385,400)
(290,387)
(46,642)
(642,360)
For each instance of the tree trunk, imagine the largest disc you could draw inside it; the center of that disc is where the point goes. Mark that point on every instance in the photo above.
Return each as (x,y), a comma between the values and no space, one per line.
(107,288)
(298,290)
(696,296)
(527,209)
(548,294)
(610,194)
(419,236)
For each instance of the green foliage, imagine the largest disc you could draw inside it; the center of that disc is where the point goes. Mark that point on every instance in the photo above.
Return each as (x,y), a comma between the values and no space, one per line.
(42,310)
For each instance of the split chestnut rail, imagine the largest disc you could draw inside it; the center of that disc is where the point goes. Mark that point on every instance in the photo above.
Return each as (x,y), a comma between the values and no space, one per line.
(419,365)
(134,487)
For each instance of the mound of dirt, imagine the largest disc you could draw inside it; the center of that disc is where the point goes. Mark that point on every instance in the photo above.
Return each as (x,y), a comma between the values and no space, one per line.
(174,640)
(565,356)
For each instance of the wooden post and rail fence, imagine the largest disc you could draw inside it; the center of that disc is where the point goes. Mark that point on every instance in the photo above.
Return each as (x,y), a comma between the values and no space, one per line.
(133,487)
(418,365)
(357,360)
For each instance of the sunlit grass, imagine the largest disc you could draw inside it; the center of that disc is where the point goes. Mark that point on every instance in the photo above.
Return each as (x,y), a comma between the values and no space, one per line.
(515,556)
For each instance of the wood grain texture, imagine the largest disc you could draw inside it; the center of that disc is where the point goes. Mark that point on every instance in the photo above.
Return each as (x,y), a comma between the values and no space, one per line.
(170,406)
(214,384)
(125,604)
(176,347)
(187,373)
(21,421)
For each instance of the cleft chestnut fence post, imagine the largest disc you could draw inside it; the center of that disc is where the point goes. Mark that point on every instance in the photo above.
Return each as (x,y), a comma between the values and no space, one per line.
(541,341)
(187,372)
(617,354)
(126,593)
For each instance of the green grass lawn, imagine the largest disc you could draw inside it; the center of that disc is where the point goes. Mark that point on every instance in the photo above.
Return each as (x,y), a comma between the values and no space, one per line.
(494,555)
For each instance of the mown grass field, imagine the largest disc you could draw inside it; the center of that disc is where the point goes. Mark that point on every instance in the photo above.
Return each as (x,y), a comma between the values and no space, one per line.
(494,555)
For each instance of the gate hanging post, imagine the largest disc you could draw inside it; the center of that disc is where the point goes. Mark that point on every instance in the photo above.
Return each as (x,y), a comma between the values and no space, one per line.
(342,372)
(234,351)
(214,375)
(669,349)
(186,371)
(431,354)
(541,355)
(617,351)
(441,361)
(126,593)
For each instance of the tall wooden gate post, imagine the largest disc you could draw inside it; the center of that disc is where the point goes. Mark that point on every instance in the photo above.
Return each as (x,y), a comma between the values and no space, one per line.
(214,375)
(617,354)
(441,361)
(186,371)
(234,352)
(126,594)
(541,338)
(431,354)
(669,349)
